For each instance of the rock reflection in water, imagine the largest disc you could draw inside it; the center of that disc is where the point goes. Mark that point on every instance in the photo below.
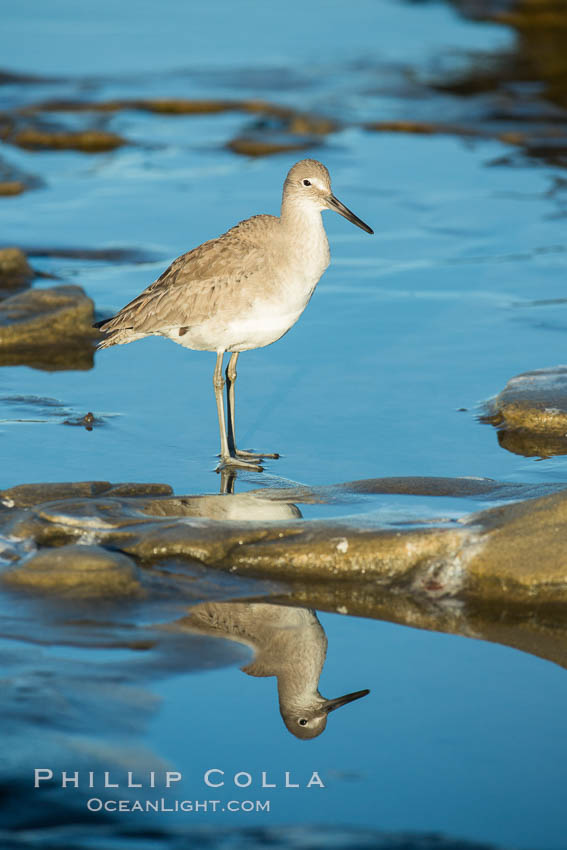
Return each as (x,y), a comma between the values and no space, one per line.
(290,644)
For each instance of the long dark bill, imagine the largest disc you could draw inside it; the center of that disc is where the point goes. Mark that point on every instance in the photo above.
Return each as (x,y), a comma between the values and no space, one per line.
(335,204)
(336,703)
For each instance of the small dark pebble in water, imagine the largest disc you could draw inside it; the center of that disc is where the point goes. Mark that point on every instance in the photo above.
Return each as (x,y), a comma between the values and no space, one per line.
(88,421)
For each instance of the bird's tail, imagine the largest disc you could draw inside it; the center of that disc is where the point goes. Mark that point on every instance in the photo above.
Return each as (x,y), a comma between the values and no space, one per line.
(120,336)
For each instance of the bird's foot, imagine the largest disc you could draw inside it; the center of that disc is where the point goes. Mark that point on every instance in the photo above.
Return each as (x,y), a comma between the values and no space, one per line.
(232,462)
(249,455)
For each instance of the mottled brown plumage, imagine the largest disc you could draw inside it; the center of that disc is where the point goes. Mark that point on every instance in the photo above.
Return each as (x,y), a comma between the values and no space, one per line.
(199,284)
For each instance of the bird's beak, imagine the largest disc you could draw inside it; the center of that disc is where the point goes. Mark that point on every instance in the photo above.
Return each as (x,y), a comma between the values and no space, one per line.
(334,204)
(336,703)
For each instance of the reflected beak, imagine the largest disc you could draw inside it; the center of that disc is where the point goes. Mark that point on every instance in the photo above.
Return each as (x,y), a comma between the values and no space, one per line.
(334,204)
(336,703)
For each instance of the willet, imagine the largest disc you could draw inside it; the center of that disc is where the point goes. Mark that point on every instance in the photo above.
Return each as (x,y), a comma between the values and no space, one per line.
(289,643)
(241,291)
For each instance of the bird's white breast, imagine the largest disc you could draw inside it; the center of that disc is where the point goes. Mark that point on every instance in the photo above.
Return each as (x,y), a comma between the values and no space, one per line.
(275,297)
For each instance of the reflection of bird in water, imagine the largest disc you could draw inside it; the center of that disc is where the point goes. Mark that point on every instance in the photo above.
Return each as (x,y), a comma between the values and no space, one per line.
(240,507)
(289,643)
(241,291)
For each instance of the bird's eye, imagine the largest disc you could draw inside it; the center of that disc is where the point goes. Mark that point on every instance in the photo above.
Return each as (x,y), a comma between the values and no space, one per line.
(303,722)
(306,183)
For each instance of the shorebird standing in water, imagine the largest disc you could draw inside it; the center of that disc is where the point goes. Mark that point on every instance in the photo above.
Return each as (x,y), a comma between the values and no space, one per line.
(241,291)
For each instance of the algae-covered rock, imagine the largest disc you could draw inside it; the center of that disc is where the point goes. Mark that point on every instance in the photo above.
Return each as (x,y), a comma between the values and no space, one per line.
(82,571)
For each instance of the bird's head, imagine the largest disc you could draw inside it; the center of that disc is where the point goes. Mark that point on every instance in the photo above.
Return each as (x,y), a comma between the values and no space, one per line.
(308,183)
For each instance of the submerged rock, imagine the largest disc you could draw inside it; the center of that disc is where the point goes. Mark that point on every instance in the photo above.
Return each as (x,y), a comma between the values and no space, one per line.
(531,413)
(48,329)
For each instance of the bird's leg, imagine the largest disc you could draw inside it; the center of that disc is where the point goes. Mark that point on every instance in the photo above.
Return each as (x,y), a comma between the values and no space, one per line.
(230,381)
(230,398)
(227,459)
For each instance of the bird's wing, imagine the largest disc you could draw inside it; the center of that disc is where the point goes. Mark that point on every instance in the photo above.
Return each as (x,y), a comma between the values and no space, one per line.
(208,280)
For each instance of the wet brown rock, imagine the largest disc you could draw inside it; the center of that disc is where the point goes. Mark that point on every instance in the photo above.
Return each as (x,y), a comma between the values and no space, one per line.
(539,53)
(78,571)
(9,188)
(265,146)
(521,552)
(180,106)
(27,495)
(61,105)
(50,328)
(131,490)
(419,127)
(536,401)
(87,141)
(163,106)
(302,124)
(280,129)
(297,122)
(15,271)
(14,181)
(515,553)
(531,413)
